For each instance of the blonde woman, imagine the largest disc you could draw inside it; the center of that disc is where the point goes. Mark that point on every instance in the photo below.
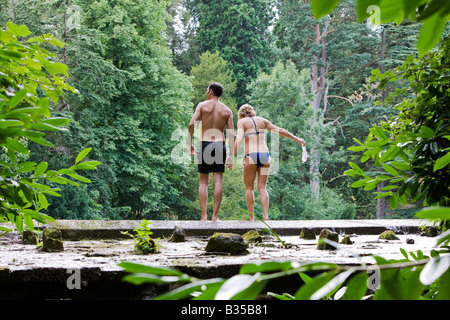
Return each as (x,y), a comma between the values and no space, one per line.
(251,129)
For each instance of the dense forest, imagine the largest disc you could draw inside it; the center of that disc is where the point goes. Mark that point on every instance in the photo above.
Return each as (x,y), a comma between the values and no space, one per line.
(140,68)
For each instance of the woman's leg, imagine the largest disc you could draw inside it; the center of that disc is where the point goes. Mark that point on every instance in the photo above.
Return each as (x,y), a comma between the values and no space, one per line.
(249,172)
(263,176)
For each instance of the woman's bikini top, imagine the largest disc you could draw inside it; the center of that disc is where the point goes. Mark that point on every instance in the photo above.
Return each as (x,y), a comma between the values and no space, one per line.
(256,129)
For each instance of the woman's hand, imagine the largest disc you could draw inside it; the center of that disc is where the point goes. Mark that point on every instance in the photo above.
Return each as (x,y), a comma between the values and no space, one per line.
(301,141)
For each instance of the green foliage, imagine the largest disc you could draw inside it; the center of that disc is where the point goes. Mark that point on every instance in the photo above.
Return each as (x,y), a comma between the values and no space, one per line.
(412,147)
(432,13)
(421,278)
(213,68)
(31,79)
(239,30)
(143,242)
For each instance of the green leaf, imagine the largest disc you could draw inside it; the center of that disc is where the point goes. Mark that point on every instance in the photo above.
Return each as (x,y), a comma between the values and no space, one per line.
(400,165)
(360,183)
(434,213)
(441,162)
(80,178)
(10,123)
(372,184)
(82,155)
(307,290)
(18,31)
(357,287)
(140,268)
(435,268)
(43,200)
(332,285)
(233,287)
(393,201)
(86,165)
(362,7)
(188,289)
(430,33)
(55,68)
(358,169)
(19,223)
(265,267)
(390,170)
(390,154)
(56,121)
(18,96)
(40,169)
(16,146)
(321,8)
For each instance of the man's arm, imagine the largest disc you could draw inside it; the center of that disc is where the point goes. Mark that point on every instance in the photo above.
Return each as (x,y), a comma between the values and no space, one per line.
(195,117)
(230,134)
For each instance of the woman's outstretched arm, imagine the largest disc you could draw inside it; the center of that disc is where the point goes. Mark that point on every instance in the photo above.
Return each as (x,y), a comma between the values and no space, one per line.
(282,132)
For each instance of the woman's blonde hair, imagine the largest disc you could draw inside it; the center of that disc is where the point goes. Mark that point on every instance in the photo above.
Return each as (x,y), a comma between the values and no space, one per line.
(246,110)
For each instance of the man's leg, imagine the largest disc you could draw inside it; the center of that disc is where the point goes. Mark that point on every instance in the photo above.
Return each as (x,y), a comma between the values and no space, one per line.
(203,194)
(218,191)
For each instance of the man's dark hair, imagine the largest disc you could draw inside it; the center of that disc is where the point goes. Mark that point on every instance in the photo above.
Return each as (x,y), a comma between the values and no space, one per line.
(216,88)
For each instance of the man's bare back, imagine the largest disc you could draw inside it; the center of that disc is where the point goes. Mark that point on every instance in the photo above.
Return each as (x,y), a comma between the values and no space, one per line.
(214,117)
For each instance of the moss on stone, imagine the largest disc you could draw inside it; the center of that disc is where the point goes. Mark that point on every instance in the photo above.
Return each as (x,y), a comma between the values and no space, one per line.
(145,246)
(178,235)
(232,243)
(430,232)
(52,240)
(327,234)
(388,235)
(252,236)
(308,233)
(346,240)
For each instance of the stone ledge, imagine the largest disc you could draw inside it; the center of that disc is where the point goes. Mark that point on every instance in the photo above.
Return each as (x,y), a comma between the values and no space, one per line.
(112,229)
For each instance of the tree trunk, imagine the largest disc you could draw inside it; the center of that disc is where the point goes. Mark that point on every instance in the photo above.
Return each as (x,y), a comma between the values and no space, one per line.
(381,203)
(318,78)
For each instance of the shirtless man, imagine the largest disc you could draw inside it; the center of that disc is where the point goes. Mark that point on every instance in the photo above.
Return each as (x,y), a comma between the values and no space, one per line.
(214,116)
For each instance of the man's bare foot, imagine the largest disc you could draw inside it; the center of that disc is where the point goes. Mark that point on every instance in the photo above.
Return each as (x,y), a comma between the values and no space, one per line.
(251,218)
(204,218)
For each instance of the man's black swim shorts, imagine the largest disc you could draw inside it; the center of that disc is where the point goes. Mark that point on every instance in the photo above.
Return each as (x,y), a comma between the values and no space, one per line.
(212,156)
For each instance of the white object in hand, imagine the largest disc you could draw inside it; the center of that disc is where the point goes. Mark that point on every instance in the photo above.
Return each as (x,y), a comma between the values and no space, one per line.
(305,154)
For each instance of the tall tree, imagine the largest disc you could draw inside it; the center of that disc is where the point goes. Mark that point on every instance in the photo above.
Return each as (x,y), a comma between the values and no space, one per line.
(336,53)
(131,100)
(213,68)
(239,30)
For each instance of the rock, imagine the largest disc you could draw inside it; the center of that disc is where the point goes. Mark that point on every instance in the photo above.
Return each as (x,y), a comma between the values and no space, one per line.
(178,235)
(388,235)
(346,240)
(227,242)
(430,232)
(52,240)
(30,237)
(308,233)
(410,241)
(145,246)
(252,236)
(327,234)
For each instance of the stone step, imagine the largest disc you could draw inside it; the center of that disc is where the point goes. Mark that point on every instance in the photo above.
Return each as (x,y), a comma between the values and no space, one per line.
(100,229)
